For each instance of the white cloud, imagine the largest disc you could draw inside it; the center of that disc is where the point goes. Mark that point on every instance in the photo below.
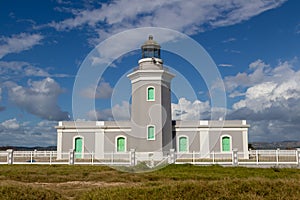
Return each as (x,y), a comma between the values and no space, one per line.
(258,73)
(39,98)
(102,91)
(118,112)
(276,93)
(239,10)
(16,133)
(35,71)
(229,40)
(12,70)
(18,43)
(225,65)
(271,101)
(188,110)
(188,17)
(10,124)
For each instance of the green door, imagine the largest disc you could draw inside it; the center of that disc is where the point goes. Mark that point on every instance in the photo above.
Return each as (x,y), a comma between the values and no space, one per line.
(182,144)
(78,147)
(121,144)
(225,144)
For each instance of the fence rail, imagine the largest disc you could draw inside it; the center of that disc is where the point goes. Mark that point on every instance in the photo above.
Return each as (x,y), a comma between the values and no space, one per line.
(251,158)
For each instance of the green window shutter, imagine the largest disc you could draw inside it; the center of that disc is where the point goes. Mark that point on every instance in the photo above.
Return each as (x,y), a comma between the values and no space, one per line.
(151,134)
(182,144)
(150,95)
(78,147)
(225,144)
(121,144)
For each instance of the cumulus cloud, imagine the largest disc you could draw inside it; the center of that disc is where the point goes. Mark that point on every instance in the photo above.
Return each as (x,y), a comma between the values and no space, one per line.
(12,70)
(258,72)
(271,100)
(38,98)
(170,14)
(17,133)
(188,110)
(118,112)
(18,43)
(102,91)
(10,124)
(268,97)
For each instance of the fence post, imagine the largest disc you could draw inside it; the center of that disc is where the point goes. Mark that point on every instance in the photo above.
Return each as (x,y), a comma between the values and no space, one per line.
(92,158)
(193,157)
(235,160)
(277,156)
(172,156)
(298,156)
(31,157)
(213,156)
(132,157)
(50,157)
(71,157)
(256,155)
(10,156)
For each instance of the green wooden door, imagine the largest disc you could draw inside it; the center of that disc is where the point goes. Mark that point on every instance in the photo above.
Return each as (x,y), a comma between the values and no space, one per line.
(225,144)
(121,144)
(78,147)
(182,144)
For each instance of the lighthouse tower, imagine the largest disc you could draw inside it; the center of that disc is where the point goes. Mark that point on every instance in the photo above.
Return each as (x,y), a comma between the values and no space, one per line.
(151,102)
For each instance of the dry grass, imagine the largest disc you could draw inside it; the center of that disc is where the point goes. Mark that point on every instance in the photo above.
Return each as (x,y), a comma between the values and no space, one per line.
(172,182)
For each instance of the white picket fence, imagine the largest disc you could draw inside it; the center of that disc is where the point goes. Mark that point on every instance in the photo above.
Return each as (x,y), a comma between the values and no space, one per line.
(257,158)
(253,158)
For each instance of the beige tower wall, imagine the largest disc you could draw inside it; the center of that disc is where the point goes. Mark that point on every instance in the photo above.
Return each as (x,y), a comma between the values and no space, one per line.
(157,112)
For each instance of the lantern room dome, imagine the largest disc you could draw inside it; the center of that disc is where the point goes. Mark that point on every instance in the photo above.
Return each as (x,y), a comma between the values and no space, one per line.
(150,49)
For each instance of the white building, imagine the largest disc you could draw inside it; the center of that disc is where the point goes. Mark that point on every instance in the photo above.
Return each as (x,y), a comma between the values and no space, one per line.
(151,128)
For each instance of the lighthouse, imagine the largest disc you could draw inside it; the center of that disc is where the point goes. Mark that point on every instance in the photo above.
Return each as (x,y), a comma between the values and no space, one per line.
(151,122)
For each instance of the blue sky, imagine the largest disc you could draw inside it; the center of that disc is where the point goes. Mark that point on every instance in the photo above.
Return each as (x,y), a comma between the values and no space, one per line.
(254,44)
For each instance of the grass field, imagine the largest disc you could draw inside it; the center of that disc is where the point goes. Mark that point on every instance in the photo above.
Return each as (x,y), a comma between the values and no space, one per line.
(171,182)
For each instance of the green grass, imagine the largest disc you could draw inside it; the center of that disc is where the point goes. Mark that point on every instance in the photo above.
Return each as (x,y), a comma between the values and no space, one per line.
(171,182)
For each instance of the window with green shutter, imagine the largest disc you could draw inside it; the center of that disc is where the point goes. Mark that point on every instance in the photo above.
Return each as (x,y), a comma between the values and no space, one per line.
(226,143)
(150,94)
(151,133)
(183,146)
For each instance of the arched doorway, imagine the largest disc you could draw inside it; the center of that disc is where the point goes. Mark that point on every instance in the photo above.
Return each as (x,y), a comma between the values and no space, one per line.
(121,144)
(183,144)
(225,143)
(78,147)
